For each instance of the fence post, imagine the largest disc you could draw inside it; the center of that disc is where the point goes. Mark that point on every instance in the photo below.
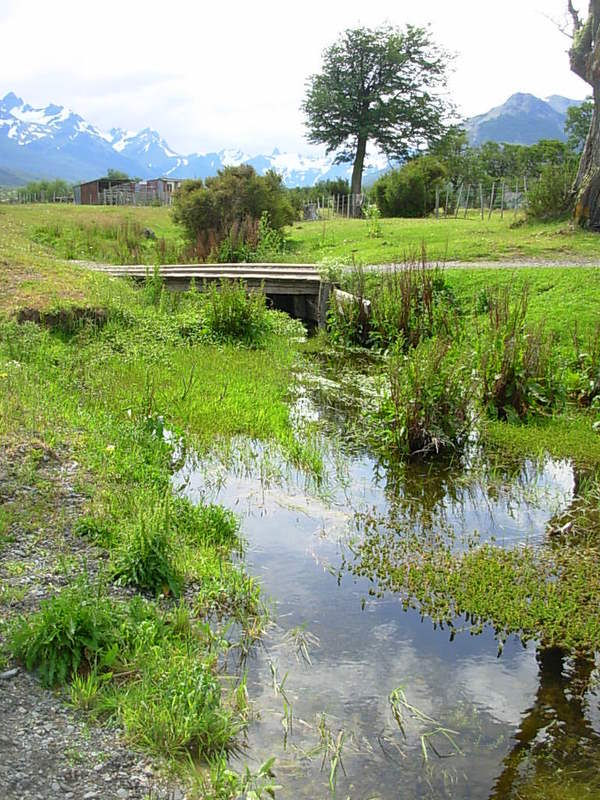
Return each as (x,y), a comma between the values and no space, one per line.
(481,197)
(348,208)
(492,200)
(467,200)
(437,202)
(516,197)
(502,202)
(446,206)
(458,199)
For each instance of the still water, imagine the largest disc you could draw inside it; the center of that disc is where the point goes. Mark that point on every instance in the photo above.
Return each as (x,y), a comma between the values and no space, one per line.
(525,724)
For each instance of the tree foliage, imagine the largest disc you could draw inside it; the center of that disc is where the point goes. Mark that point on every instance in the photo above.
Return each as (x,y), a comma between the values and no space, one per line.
(377,85)
(577,126)
(410,190)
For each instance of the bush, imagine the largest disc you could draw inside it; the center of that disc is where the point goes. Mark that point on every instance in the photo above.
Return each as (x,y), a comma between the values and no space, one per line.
(410,190)
(550,197)
(231,205)
(70,631)
(426,408)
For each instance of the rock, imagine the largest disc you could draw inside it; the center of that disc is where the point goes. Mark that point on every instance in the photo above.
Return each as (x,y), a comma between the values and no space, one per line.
(10,673)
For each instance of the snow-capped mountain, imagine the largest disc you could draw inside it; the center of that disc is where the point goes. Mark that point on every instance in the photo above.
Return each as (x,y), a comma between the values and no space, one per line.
(55,142)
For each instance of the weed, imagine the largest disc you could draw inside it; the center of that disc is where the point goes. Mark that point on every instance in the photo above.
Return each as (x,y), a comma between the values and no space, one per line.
(520,374)
(405,304)
(205,525)
(232,314)
(175,708)
(69,632)
(144,555)
(400,706)
(426,408)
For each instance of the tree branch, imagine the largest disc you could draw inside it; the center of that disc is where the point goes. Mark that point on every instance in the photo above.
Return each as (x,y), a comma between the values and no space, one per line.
(577,23)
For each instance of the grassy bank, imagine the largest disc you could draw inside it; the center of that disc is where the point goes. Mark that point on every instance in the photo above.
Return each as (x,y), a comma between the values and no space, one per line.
(112,586)
(120,236)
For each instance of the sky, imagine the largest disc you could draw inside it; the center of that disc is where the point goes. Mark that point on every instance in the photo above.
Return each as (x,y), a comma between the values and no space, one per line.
(223,74)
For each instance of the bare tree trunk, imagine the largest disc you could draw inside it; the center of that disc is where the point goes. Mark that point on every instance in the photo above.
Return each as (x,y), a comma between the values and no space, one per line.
(584,56)
(357,171)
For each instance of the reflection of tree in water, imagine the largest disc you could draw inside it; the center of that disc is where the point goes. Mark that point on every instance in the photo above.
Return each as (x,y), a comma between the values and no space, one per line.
(421,494)
(556,751)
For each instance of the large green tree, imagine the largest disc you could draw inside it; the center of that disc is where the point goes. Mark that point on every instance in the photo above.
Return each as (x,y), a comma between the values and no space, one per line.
(585,62)
(377,85)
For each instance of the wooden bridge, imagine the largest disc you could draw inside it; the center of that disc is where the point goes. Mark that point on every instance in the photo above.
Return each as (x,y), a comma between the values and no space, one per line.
(295,288)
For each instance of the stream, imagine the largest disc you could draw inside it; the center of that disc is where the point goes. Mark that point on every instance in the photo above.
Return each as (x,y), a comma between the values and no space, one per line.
(467,722)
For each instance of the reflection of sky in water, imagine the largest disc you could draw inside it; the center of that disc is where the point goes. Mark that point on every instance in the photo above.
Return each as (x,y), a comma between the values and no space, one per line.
(364,653)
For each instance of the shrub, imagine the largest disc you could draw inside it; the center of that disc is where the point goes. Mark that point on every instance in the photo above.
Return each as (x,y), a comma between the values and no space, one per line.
(144,557)
(70,631)
(231,205)
(520,373)
(426,408)
(550,197)
(410,190)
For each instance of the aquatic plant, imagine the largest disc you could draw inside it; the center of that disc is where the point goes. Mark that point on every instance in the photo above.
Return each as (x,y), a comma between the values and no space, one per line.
(426,407)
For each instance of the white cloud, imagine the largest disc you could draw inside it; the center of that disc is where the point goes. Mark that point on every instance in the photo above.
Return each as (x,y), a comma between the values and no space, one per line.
(232,74)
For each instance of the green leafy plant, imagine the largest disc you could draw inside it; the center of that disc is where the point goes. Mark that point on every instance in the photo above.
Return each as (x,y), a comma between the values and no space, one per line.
(68,633)
(232,314)
(520,373)
(181,710)
(373,217)
(206,525)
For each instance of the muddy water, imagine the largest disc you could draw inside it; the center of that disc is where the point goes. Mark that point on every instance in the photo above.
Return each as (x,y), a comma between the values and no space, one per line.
(523,725)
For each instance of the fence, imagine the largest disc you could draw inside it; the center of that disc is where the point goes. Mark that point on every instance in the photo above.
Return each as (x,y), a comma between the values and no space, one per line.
(22,196)
(135,197)
(483,198)
(335,205)
(495,196)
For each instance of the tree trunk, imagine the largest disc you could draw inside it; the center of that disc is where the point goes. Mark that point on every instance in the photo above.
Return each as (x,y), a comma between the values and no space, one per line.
(587,183)
(357,171)
(585,62)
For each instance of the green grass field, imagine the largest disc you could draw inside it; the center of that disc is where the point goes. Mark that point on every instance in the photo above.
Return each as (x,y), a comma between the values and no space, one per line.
(115,235)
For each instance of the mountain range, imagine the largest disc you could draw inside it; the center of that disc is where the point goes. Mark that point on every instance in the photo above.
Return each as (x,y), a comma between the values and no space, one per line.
(55,142)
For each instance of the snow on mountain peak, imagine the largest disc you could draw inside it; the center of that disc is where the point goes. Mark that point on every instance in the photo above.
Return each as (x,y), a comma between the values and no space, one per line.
(68,145)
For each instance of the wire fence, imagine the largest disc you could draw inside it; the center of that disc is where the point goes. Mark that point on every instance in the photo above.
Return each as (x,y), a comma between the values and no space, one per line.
(16,195)
(485,198)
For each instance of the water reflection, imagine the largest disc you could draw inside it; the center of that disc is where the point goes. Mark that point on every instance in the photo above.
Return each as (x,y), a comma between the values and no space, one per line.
(556,751)
(527,723)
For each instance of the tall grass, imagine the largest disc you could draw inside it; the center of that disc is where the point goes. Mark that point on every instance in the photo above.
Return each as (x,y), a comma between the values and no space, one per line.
(409,303)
